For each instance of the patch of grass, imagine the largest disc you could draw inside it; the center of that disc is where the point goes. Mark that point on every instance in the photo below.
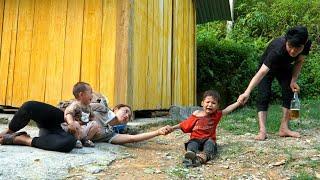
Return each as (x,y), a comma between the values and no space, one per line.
(303,176)
(178,172)
(310,114)
(232,150)
(245,120)
(240,122)
(317,147)
(309,163)
(313,163)
(289,159)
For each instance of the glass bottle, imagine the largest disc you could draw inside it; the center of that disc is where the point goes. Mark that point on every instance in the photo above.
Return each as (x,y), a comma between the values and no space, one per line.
(295,106)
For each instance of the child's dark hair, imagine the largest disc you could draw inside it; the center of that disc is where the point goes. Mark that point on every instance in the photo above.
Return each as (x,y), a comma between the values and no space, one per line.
(119,106)
(212,93)
(80,87)
(297,36)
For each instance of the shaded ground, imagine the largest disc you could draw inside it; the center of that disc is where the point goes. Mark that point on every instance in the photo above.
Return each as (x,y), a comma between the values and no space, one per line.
(240,157)
(22,162)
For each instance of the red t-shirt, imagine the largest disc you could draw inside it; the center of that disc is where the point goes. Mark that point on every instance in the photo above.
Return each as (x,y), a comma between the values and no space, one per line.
(201,127)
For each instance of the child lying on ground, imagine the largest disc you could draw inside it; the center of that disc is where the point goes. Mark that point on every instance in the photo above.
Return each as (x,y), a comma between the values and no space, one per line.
(202,125)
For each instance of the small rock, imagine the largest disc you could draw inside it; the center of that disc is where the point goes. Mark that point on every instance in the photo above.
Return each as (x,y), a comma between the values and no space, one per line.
(157,171)
(149,171)
(168,157)
(96,171)
(4,120)
(226,167)
(279,163)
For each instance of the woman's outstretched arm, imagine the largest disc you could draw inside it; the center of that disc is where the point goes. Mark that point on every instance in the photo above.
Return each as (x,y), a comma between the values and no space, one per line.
(127,138)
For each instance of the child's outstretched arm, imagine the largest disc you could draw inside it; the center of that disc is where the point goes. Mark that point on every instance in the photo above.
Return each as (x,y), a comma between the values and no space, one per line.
(127,138)
(175,127)
(230,108)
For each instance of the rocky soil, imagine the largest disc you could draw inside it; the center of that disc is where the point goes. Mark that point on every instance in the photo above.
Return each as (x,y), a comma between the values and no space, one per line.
(239,157)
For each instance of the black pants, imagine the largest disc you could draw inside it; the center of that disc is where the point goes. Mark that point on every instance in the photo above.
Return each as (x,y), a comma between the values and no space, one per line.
(206,145)
(264,88)
(48,118)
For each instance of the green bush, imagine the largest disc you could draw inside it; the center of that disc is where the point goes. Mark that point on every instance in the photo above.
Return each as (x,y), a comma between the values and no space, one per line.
(228,62)
(269,19)
(309,79)
(225,66)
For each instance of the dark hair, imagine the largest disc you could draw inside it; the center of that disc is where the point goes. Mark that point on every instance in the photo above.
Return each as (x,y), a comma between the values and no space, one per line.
(212,93)
(119,106)
(80,87)
(297,36)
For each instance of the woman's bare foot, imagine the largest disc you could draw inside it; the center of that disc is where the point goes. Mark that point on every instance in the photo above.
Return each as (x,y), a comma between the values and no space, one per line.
(21,138)
(261,136)
(288,133)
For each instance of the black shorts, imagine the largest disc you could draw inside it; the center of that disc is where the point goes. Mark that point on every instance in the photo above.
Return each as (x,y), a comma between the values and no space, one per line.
(264,88)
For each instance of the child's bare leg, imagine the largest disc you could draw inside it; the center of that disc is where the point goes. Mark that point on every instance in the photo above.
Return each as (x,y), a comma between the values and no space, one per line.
(284,130)
(93,131)
(75,129)
(262,116)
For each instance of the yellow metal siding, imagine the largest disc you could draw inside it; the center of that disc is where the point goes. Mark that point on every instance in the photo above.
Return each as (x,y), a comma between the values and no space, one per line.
(184,66)
(162,54)
(39,52)
(73,47)
(8,43)
(56,43)
(122,59)
(23,51)
(140,52)
(91,43)
(108,49)
(48,45)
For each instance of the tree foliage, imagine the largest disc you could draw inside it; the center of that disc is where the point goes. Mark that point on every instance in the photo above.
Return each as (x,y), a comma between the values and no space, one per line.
(227,62)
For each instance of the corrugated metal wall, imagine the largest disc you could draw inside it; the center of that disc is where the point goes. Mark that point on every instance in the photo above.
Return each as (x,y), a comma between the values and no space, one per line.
(163,54)
(140,52)
(48,45)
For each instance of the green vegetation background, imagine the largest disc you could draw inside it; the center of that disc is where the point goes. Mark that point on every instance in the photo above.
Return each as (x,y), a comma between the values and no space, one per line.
(228,61)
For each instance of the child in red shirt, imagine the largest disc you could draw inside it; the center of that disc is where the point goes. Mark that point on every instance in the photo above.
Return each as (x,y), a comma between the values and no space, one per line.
(202,125)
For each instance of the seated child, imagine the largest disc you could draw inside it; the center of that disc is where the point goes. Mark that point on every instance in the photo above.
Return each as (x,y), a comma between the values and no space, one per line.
(79,116)
(202,125)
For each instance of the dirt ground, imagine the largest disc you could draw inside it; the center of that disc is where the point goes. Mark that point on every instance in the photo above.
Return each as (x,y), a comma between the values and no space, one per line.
(239,157)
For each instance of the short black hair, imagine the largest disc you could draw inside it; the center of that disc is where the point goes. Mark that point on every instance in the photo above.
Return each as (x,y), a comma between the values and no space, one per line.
(212,93)
(297,36)
(80,87)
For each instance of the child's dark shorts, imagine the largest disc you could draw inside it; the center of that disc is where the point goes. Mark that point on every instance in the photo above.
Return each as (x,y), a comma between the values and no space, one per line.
(207,145)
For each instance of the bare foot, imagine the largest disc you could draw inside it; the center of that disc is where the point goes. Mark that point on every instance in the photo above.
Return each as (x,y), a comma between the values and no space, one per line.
(21,138)
(261,136)
(288,133)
